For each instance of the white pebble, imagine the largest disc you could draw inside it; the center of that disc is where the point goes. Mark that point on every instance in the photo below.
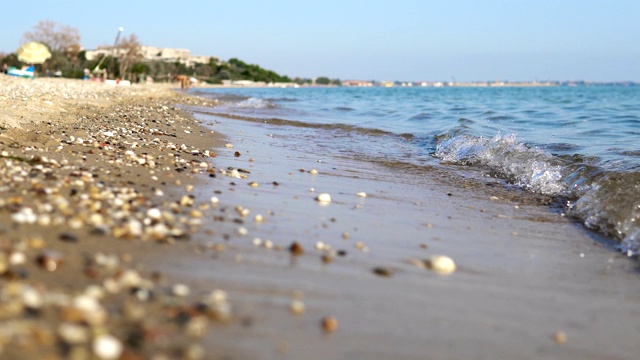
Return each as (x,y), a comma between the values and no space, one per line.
(323,198)
(107,347)
(180,290)
(297,307)
(361,194)
(154,214)
(73,334)
(442,264)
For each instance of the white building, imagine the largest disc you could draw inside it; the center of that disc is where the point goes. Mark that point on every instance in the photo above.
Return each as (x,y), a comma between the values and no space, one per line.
(152,53)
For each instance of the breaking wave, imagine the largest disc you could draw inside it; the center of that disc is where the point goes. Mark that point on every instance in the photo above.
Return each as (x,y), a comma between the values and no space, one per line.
(604,199)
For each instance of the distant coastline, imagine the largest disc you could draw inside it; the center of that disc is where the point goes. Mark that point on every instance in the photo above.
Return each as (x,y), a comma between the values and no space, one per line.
(433,84)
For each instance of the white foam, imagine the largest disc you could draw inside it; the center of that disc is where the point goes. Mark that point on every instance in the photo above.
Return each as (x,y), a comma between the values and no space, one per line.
(529,167)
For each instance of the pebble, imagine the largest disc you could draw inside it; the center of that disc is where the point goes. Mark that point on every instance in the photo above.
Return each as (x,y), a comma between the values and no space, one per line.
(329,324)
(180,290)
(107,347)
(297,307)
(313,172)
(296,249)
(73,334)
(383,271)
(50,260)
(441,264)
(361,194)
(323,198)
(560,337)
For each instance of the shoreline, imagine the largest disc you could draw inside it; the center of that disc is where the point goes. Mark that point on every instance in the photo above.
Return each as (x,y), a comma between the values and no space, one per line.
(526,273)
(202,286)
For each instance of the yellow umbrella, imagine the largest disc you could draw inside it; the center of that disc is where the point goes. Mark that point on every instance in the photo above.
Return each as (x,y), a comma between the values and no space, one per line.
(33,53)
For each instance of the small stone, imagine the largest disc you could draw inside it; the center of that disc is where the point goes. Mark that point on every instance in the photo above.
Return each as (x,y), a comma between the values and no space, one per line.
(441,264)
(361,194)
(50,260)
(68,237)
(313,172)
(296,249)
(180,290)
(297,307)
(383,271)
(107,347)
(73,334)
(258,218)
(329,324)
(154,214)
(323,198)
(254,184)
(560,337)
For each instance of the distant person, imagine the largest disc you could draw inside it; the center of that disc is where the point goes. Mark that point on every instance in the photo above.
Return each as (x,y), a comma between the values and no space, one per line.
(87,74)
(5,68)
(184,81)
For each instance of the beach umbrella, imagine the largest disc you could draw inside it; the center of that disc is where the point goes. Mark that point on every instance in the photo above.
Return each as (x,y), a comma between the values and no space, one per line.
(33,53)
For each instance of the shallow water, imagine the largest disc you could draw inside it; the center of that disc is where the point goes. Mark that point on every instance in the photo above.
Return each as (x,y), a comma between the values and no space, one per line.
(579,144)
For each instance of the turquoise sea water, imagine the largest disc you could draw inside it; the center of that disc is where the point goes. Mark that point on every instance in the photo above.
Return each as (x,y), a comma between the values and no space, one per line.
(579,144)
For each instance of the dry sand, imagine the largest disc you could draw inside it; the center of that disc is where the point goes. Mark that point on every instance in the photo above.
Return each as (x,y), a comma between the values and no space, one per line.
(530,283)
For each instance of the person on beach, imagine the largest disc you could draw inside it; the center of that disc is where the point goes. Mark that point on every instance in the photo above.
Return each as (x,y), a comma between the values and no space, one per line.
(184,81)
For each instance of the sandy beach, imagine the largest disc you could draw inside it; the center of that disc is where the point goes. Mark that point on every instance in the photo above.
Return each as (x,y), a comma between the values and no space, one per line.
(137,225)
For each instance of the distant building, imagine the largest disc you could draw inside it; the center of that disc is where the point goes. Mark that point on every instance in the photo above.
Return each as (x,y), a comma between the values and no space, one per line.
(152,53)
(358,83)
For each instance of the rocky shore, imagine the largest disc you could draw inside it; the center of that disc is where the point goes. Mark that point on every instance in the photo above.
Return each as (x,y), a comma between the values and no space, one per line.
(91,176)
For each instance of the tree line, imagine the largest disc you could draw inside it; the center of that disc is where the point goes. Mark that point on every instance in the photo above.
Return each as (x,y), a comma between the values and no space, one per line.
(126,61)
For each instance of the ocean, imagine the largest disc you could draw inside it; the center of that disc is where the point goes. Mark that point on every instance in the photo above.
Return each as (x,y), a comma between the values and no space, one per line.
(579,145)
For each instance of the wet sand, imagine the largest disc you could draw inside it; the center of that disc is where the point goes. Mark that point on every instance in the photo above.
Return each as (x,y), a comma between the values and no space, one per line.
(530,283)
(527,276)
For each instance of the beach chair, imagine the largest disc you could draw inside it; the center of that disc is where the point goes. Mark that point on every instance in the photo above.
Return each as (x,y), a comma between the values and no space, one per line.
(28,73)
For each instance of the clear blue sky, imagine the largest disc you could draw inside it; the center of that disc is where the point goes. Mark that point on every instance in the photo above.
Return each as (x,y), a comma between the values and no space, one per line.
(467,40)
